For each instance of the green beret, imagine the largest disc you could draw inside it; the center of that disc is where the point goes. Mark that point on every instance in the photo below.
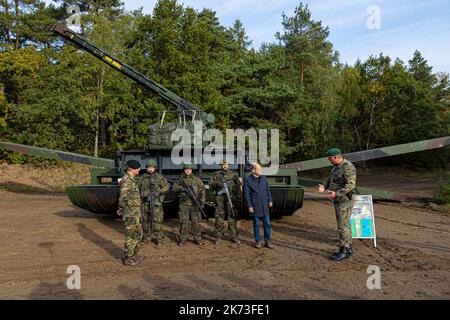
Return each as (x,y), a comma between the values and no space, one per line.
(333,152)
(152,163)
(187,166)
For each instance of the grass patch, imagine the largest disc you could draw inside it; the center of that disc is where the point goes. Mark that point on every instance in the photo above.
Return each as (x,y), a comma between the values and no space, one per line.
(443,194)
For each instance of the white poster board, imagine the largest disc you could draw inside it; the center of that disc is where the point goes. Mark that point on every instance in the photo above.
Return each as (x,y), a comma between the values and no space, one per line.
(362,219)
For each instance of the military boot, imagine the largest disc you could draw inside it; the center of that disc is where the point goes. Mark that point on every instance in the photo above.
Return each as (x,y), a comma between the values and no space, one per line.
(158,242)
(350,251)
(130,261)
(199,242)
(343,254)
(236,240)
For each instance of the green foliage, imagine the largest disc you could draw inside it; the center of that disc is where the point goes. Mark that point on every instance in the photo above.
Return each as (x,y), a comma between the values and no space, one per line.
(382,103)
(443,194)
(182,50)
(25,22)
(12,157)
(287,86)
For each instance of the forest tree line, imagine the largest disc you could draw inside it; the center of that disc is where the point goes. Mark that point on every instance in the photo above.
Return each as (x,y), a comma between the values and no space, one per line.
(56,96)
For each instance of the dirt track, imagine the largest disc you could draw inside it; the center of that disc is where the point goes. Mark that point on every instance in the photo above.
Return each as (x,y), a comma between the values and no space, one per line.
(42,235)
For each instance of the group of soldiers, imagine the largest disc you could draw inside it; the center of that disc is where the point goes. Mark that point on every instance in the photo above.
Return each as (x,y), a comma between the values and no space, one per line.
(141,198)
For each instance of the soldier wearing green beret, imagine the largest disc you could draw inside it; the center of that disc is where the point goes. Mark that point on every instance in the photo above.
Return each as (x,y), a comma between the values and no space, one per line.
(152,186)
(341,187)
(188,210)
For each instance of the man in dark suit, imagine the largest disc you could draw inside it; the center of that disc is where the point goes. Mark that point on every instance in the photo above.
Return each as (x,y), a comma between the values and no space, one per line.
(258,200)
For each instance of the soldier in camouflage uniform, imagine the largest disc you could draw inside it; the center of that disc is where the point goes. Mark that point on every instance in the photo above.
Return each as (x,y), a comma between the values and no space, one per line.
(152,186)
(225,175)
(130,210)
(188,210)
(341,187)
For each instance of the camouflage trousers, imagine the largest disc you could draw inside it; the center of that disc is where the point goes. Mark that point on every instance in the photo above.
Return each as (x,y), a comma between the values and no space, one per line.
(133,232)
(222,207)
(152,227)
(185,214)
(343,213)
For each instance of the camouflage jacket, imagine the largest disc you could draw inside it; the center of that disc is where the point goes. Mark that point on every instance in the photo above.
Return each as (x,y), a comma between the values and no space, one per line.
(154,182)
(230,178)
(342,180)
(130,198)
(195,183)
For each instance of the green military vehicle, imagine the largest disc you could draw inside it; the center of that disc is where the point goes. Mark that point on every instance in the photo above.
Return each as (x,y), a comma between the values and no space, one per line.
(102,195)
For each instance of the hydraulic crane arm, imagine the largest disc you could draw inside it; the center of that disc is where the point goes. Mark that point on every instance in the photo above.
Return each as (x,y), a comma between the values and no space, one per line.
(183,106)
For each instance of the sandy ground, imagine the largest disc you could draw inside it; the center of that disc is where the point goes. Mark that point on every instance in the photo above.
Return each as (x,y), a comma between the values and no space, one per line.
(42,235)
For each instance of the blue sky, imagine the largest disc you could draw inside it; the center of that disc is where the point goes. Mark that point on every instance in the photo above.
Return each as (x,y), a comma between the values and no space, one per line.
(405,25)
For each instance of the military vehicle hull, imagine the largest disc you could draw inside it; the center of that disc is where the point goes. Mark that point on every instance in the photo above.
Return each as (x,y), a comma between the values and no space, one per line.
(99,199)
(104,199)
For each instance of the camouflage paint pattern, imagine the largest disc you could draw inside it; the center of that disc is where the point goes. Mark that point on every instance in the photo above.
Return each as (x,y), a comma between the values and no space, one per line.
(188,210)
(376,193)
(130,205)
(186,213)
(343,212)
(342,181)
(148,183)
(222,207)
(374,153)
(57,155)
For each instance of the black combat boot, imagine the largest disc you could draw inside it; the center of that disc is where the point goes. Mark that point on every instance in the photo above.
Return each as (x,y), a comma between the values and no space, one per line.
(350,251)
(343,254)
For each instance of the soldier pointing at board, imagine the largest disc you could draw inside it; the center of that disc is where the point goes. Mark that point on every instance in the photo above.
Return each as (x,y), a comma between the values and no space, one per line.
(341,187)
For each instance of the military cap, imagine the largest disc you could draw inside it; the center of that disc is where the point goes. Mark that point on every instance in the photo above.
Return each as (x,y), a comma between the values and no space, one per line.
(187,166)
(333,152)
(151,163)
(133,164)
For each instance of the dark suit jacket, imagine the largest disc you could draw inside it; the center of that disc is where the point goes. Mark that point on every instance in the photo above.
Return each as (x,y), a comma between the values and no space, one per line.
(257,195)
